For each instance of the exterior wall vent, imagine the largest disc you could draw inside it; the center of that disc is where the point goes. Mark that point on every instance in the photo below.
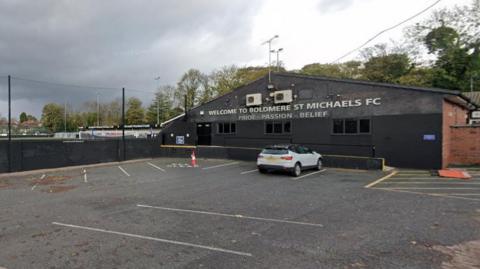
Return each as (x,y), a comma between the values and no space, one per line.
(254,99)
(283,97)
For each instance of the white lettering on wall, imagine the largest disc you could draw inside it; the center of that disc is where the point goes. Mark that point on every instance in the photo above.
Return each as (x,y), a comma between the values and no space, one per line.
(289,111)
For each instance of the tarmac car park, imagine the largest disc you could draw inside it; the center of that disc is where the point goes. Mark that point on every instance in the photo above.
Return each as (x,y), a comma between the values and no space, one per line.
(165,213)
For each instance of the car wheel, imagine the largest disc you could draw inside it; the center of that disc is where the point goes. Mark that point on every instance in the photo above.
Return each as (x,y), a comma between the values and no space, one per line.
(319,164)
(262,170)
(297,170)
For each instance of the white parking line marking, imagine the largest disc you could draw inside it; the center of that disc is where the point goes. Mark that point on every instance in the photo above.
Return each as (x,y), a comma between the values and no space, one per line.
(220,165)
(123,170)
(155,239)
(247,172)
(41,178)
(231,215)
(381,179)
(157,167)
(313,173)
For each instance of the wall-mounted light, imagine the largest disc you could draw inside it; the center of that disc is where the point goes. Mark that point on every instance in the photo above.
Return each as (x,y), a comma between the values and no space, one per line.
(171,134)
(202,112)
(187,135)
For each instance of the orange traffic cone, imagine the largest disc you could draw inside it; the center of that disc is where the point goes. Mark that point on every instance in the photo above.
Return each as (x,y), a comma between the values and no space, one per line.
(194,160)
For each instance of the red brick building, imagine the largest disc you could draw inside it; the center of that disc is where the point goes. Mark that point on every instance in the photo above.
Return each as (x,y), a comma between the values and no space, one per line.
(461,141)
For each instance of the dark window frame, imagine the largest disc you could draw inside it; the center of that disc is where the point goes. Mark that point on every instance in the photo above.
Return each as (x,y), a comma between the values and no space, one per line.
(369,126)
(344,127)
(272,124)
(232,127)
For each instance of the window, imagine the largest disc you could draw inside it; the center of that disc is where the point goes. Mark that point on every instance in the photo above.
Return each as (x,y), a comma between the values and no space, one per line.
(338,126)
(278,127)
(268,128)
(275,151)
(351,126)
(227,128)
(364,126)
(286,127)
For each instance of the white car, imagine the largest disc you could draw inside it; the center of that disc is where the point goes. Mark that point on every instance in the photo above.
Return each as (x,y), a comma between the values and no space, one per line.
(291,158)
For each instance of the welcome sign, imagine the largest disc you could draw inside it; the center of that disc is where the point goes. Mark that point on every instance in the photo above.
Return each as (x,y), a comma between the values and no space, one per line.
(290,111)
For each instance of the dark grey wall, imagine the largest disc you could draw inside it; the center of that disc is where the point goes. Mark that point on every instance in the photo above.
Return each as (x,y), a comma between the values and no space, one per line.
(397,125)
(181,127)
(39,154)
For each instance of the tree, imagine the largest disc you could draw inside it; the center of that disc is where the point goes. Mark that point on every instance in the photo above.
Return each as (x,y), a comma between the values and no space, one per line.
(52,117)
(225,79)
(163,98)
(418,76)
(451,37)
(190,85)
(387,68)
(350,70)
(251,73)
(112,112)
(31,118)
(23,117)
(135,113)
(207,92)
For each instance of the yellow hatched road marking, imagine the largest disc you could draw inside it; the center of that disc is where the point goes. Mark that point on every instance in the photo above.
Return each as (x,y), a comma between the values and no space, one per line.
(380,180)
(430,194)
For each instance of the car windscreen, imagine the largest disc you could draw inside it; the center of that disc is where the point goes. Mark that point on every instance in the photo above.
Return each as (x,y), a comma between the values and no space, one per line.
(275,151)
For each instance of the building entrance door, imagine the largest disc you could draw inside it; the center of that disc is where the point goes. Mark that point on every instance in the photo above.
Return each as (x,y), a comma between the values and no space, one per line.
(204,133)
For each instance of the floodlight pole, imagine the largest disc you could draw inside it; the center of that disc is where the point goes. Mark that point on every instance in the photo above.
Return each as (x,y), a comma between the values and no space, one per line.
(65,116)
(98,110)
(278,57)
(9,124)
(123,124)
(158,103)
(270,56)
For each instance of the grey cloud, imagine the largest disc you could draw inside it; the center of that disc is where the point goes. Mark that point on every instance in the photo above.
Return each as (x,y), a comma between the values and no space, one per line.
(118,43)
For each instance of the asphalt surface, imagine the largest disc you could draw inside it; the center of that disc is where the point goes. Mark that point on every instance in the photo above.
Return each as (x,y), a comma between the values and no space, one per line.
(162,213)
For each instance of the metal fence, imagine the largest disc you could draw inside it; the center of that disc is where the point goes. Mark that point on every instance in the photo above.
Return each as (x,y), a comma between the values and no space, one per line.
(33,110)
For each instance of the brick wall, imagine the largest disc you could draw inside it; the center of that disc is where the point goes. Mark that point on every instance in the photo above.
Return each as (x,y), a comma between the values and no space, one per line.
(465,145)
(453,115)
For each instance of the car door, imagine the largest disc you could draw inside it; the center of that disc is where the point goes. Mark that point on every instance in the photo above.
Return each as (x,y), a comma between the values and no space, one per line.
(307,156)
(302,156)
(310,157)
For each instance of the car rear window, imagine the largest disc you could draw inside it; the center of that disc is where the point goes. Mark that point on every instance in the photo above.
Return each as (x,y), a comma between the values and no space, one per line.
(275,151)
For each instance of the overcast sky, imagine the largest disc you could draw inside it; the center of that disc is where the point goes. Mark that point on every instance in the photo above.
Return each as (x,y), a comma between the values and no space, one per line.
(126,43)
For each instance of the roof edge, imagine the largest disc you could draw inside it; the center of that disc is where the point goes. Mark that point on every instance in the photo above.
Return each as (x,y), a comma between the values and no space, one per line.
(365,82)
